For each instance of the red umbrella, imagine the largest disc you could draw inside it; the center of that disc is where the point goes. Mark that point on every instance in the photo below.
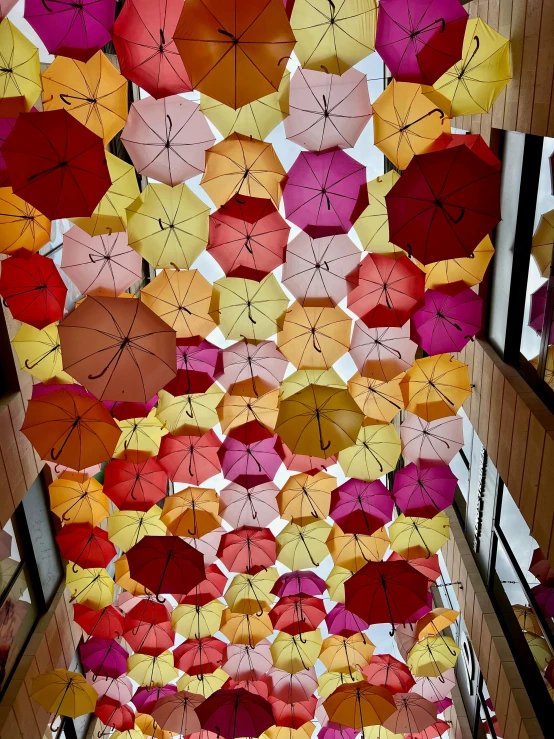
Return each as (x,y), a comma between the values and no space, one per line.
(121,718)
(235,713)
(258,687)
(386,671)
(196,362)
(428,566)
(444,204)
(245,368)
(209,589)
(296,614)
(302,462)
(106,623)
(413,714)
(292,688)
(389,291)
(147,628)
(135,487)
(122,410)
(85,545)
(190,459)
(472,140)
(166,564)
(248,550)
(56,164)
(199,656)
(293,715)
(439,728)
(32,289)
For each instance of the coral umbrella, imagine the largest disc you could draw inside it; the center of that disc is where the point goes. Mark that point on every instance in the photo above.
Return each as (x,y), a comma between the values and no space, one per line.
(440,728)
(63,693)
(235,713)
(386,671)
(7,5)
(424,492)
(435,387)
(32,288)
(78,502)
(177,713)
(151,639)
(450,276)
(372,226)
(249,464)
(235,54)
(191,512)
(291,688)
(246,628)
(167,139)
(304,498)
(23,227)
(104,657)
(292,654)
(92,587)
(190,459)
(254,506)
(209,589)
(297,583)
(293,715)
(248,237)
(419,537)
(85,545)
(360,507)
(327,110)
(359,705)
(303,547)
(56,164)
(375,452)
(196,366)
(433,656)
(382,353)
(251,369)
(313,337)
(380,401)
(135,486)
(166,565)
(20,84)
(325,192)
(114,715)
(117,689)
(446,323)
(199,656)
(342,622)
(243,662)
(106,623)
(302,463)
(413,714)
(247,549)
(296,614)
(538,311)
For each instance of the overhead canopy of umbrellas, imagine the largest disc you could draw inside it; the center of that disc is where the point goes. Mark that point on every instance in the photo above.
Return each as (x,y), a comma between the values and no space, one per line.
(241,555)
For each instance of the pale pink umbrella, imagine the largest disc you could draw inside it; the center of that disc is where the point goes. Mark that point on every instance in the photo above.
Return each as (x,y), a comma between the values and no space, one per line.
(405,637)
(435,689)
(382,353)
(100,265)
(118,689)
(245,368)
(413,714)
(255,506)
(5,7)
(207,544)
(327,110)
(243,662)
(433,443)
(292,688)
(167,139)
(321,271)
(177,713)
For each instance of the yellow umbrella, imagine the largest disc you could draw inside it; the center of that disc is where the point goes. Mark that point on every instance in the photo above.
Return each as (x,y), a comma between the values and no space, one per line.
(435,621)
(304,498)
(21,225)
(335,582)
(93,92)
(302,378)
(123,578)
(543,243)
(78,502)
(379,732)
(549,367)
(539,649)
(359,705)
(189,414)
(353,551)
(135,733)
(284,732)
(435,387)
(39,353)
(303,547)
(459,274)
(168,226)
(192,512)
(252,593)
(343,654)
(314,338)
(92,587)
(319,421)
(375,452)
(245,628)
(236,410)
(405,122)
(328,682)
(293,654)
(241,165)
(258,119)
(333,36)
(151,672)
(127,528)
(148,727)
(140,437)
(472,85)
(412,538)
(432,656)
(372,226)
(20,84)
(527,619)
(245,309)
(379,400)
(197,622)
(64,693)
(203,684)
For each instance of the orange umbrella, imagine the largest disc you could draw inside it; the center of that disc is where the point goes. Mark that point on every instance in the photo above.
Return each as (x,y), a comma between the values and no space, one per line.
(359,704)
(379,400)
(192,512)
(304,498)
(237,410)
(314,338)
(435,387)
(21,225)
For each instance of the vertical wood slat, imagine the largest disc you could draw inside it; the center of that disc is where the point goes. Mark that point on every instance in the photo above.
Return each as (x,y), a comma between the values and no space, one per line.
(542,102)
(529,57)
(517,450)
(517,34)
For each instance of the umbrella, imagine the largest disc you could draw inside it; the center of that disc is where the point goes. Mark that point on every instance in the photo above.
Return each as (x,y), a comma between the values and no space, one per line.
(125,581)
(251,593)
(247,550)
(435,689)
(538,310)
(303,463)
(248,237)
(352,551)
(359,705)
(293,654)
(254,506)
(372,227)
(249,464)
(92,587)
(239,415)
(196,366)
(419,42)
(197,622)
(140,438)
(543,243)
(325,192)
(304,498)
(32,289)
(296,614)
(135,486)
(235,56)
(177,712)
(85,545)
(203,685)
(296,583)
(446,323)
(147,54)
(327,110)
(70,429)
(293,715)
(123,410)
(150,672)
(432,656)
(549,368)
(440,728)
(106,623)
(526,619)
(544,595)
(127,528)
(539,647)
(151,639)
(7,5)
(303,378)
(118,349)
(240,165)
(540,567)
(245,628)
(413,714)
(380,401)
(291,688)
(436,621)
(114,715)
(303,547)
(103,657)
(145,723)
(63,693)
(343,622)
(210,588)
(235,713)
(382,353)
(22,226)
(375,452)
(78,502)
(450,276)
(360,507)
(199,656)
(167,139)
(247,368)
(313,337)
(419,537)
(20,84)
(168,226)
(333,36)
(435,387)
(117,689)
(424,492)
(190,459)
(166,564)
(389,291)
(386,671)
(433,443)
(189,414)
(243,662)
(320,271)
(56,164)
(340,653)
(191,512)
(39,354)
(100,265)
(472,141)
(405,123)
(472,85)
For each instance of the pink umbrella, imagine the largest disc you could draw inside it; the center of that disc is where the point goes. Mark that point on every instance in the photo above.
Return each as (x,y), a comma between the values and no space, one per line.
(325,193)
(7,5)
(196,363)
(249,464)
(245,369)
(445,323)
(440,728)
(428,566)
(255,506)
(331,730)
(441,706)
(293,715)
(291,688)
(177,713)
(145,699)
(167,139)
(190,459)
(343,622)
(208,544)
(100,265)
(405,637)
(302,462)
(243,662)
(361,507)
(382,353)
(435,689)
(327,110)
(321,271)
(118,689)
(538,309)
(299,582)
(424,492)
(413,714)
(434,443)
(104,657)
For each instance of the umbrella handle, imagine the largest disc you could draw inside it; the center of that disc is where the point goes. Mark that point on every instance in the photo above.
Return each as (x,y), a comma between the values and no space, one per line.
(49,10)
(281,59)
(239,201)
(34,364)
(162,36)
(52,729)
(225,33)
(56,456)
(158,599)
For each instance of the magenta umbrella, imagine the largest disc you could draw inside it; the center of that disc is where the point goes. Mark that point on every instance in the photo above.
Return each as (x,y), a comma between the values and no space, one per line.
(544,595)
(321,271)
(249,464)
(424,492)
(359,507)
(431,443)
(435,689)
(235,713)
(255,506)
(117,689)
(243,662)
(445,323)
(325,193)
(327,110)
(342,622)
(104,657)
(167,139)
(538,309)
(382,353)
(291,688)
(145,699)
(196,363)
(331,730)
(245,368)
(299,582)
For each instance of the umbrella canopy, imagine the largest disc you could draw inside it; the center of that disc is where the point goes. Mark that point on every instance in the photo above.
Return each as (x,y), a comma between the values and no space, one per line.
(451,276)
(251,593)
(190,459)
(92,587)
(538,310)
(177,713)
(446,323)
(435,387)
(327,684)
(247,549)
(359,704)
(166,139)
(297,614)
(197,622)
(293,715)
(254,506)
(250,369)
(413,714)
(235,713)
(327,110)
(166,564)
(210,588)
(39,354)
(103,657)
(361,508)
(419,537)
(191,512)
(306,497)
(304,463)
(325,192)
(380,401)
(249,464)
(386,671)
(372,226)
(198,656)
(303,547)
(239,415)
(189,414)
(313,337)
(245,628)
(431,444)
(117,689)
(85,545)
(302,378)
(424,492)
(64,693)
(140,438)
(295,583)
(293,654)
(135,486)
(341,654)
(150,672)
(435,689)
(127,528)
(20,83)
(352,551)
(106,623)
(23,227)
(78,502)
(382,353)
(196,363)
(243,662)
(543,243)
(343,622)
(375,452)
(235,54)
(472,141)
(433,656)
(291,688)
(436,621)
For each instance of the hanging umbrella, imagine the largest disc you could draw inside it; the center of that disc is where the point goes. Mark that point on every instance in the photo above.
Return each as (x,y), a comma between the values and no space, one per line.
(375,452)
(296,614)
(413,714)
(238,415)
(325,192)
(341,654)
(191,512)
(549,368)
(424,492)
(526,619)
(245,628)
(251,593)
(361,508)
(435,621)
(56,164)
(210,588)
(197,622)
(78,502)
(298,582)
(123,410)
(304,498)
(537,311)
(435,387)
(199,656)
(140,438)
(292,654)
(435,689)
(382,353)
(85,545)
(313,337)
(117,689)
(302,378)
(135,486)
(293,715)
(543,243)
(380,401)
(63,693)
(243,662)
(472,85)
(193,414)
(151,639)
(92,587)
(450,276)
(303,463)
(372,227)
(39,353)
(249,464)
(125,581)
(190,459)
(327,110)
(247,550)
(5,7)
(352,551)
(386,671)
(166,564)
(114,715)
(148,727)
(291,688)
(196,366)
(103,657)
(540,567)
(419,537)
(472,141)
(235,713)
(151,672)
(254,506)
(431,444)
(438,729)
(248,237)
(106,623)
(432,656)
(544,595)
(203,685)
(167,139)
(177,713)
(446,323)
(303,547)
(359,705)
(127,528)
(20,84)
(342,622)
(250,369)
(22,226)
